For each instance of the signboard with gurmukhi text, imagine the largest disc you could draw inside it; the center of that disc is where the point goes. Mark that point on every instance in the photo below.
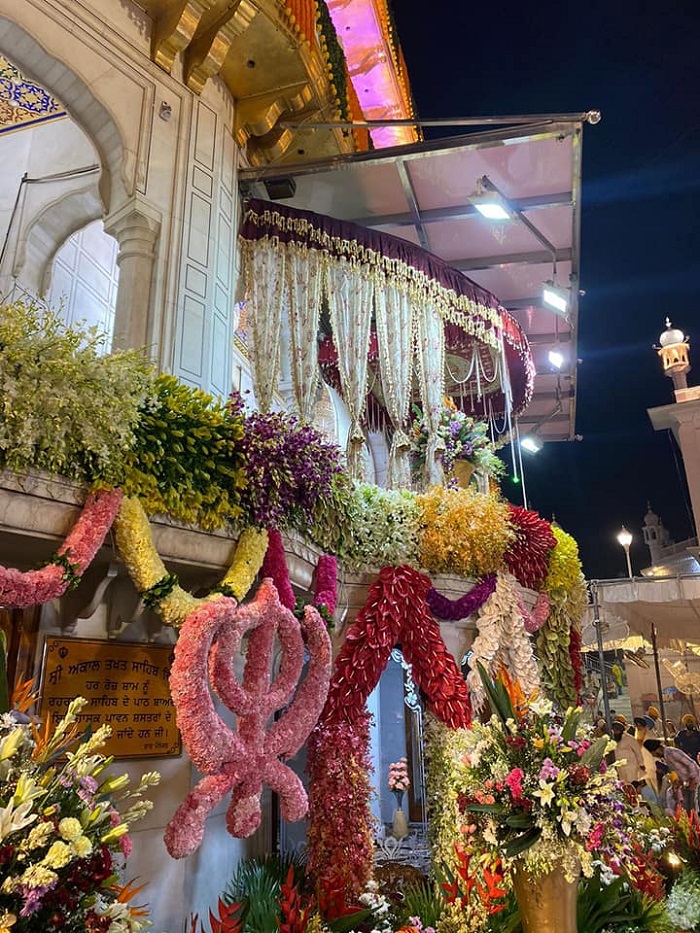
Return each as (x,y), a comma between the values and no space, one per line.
(126,686)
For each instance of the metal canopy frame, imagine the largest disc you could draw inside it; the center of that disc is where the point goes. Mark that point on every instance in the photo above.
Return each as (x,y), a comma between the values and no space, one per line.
(421,193)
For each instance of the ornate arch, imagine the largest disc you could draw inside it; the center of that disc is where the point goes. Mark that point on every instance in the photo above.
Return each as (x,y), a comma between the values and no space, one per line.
(50,229)
(37,62)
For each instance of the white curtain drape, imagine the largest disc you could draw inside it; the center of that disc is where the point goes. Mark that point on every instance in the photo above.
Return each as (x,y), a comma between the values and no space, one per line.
(349,290)
(304,281)
(430,351)
(394,317)
(265,292)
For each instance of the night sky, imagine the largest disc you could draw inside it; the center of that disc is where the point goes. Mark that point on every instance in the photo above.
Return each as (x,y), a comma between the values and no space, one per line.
(639,63)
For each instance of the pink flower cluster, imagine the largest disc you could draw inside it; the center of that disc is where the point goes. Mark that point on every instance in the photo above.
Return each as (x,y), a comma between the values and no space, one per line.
(241,761)
(535,620)
(20,590)
(514,783)
(326,591)
(398,779)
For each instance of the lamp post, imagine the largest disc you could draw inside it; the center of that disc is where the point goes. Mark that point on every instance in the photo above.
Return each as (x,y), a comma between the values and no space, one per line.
(624,539)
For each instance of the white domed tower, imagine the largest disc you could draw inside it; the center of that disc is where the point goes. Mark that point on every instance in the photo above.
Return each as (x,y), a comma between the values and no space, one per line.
(673,350)
(656,535)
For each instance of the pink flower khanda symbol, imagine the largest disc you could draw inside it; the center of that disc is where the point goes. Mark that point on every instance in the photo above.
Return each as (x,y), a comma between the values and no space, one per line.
(241,762)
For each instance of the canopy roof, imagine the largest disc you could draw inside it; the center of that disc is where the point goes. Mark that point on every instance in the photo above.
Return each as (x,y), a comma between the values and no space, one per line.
(672,604)
(421,193)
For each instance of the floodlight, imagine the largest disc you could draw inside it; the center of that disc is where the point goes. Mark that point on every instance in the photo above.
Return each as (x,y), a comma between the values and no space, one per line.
(556,297)
(490,205)
(556,358)
(531,444)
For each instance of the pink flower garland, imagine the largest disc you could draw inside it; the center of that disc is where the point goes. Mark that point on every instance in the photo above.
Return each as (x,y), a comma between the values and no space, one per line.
(275,567)
(535,620)
(240,762)
(19,590)
(453,610)
(326,591)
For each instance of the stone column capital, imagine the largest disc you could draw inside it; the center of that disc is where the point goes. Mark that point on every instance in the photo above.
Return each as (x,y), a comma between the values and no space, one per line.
(135,225)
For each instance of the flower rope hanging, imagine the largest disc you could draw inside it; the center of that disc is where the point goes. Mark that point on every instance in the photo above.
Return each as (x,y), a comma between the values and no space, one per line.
(527,555)
(502,640)
(396,612)
(326,579)
(565,586)
(536,619)
(453,610)
(240,761)
(161,590)
(20,590)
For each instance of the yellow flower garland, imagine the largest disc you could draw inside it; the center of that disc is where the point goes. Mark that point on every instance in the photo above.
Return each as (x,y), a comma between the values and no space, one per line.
(146,569)
(564,563)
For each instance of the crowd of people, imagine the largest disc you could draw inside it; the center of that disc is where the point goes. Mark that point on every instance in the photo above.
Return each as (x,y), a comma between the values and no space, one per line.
(661,773)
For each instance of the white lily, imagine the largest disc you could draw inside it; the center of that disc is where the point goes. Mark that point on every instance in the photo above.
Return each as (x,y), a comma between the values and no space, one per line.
(13,818)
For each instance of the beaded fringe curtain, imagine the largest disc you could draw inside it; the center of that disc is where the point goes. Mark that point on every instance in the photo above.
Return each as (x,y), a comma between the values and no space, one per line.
(360,275)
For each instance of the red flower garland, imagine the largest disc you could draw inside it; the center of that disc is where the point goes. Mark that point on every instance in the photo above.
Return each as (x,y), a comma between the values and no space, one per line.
(527,556)
(340,843)
(396,611)
(20,590)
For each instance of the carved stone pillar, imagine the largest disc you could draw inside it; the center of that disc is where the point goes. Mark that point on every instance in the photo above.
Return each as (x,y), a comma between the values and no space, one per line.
(135,226)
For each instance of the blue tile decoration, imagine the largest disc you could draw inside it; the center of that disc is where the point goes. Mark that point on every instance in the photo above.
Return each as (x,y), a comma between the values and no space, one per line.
(23,103)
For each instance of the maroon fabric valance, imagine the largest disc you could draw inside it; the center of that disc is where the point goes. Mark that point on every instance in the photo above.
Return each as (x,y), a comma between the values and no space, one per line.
(342,238)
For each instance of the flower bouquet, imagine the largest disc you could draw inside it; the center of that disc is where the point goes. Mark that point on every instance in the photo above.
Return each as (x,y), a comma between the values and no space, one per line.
(535,787)
(465,439)
(61,833)
(398,781)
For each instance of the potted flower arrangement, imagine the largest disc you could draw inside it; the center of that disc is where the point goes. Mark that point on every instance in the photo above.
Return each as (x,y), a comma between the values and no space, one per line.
(64,823)
(466,442)
(398,783)
(536,790)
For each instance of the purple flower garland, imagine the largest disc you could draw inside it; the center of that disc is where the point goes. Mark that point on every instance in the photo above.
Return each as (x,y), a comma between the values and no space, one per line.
(453,610)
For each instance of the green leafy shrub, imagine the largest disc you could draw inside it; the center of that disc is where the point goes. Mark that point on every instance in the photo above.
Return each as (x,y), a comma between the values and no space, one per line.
(424,900)
(186,460)
(66,408)
(257,884)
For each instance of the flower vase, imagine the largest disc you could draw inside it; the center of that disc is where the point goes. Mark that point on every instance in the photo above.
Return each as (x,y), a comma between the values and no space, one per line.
(399,826)
(547,903)
(463,470)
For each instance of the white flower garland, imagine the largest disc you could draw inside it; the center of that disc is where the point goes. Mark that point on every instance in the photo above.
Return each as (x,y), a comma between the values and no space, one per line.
(502,638)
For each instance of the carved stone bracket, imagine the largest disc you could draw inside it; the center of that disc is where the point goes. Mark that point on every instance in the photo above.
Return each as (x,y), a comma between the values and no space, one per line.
(256,117)
(210,46)
(174,30)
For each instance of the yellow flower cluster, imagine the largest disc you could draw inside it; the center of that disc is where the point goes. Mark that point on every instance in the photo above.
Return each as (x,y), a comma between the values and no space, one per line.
(564,563)
(247,561)
(135,543)
(463,531)
(133,533)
